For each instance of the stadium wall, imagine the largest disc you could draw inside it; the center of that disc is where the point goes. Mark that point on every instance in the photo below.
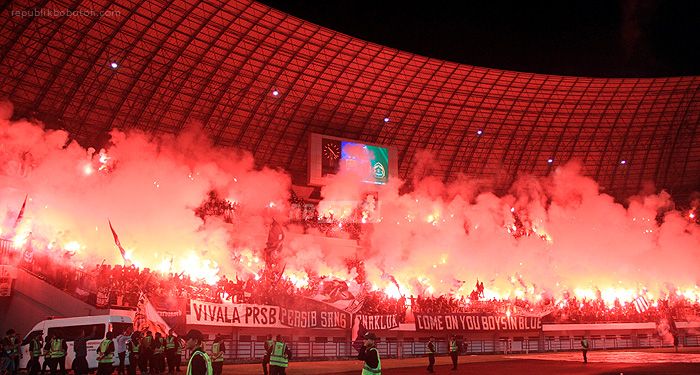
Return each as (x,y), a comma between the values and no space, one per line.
(33,300)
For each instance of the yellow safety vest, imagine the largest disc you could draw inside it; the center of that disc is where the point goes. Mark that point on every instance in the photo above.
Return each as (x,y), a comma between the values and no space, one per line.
(170,342)
(453,346)
(148,341)
(106,358)
(56,349)
(35,348)
(279,355)
(216,350)
(159,349)
(210,370)
(135,346)
(366,370)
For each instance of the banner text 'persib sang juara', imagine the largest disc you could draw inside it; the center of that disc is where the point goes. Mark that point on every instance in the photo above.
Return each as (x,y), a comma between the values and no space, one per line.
(250,315)
(477,322)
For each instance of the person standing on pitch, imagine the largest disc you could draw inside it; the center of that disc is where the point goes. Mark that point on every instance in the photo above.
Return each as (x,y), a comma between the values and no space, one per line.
(46,365)
(158,358)
(171,346)
(146,353)
(266,358)
(370,354)
(120,346)
(454,351)
(279,357)
(57,352)
(105,355)
(584,349)
(35,345)
(217,355)
(178,353)
(80,364)
(431,354)
(200,363)
(133,346)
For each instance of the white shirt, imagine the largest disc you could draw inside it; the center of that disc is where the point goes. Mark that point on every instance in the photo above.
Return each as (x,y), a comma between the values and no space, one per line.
(120,343)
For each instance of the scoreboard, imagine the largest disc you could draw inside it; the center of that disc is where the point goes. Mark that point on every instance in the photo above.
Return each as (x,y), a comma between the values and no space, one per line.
(327,154)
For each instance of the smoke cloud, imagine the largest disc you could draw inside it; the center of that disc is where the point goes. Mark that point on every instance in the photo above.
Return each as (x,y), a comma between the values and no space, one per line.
(546,236)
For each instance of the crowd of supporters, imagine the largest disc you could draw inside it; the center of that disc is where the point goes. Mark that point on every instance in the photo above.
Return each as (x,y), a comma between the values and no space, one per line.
(105,285)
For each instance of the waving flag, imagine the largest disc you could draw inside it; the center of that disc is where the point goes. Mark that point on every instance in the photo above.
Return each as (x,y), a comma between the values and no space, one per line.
(147,318)
(641,304)
(116,242)
(21,212)
(358,333)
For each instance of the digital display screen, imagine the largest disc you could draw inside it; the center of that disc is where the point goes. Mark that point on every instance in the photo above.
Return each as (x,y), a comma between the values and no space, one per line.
(378,158)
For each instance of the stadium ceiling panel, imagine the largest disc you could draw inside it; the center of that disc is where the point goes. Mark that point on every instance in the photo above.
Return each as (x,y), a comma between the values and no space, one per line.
(263,80)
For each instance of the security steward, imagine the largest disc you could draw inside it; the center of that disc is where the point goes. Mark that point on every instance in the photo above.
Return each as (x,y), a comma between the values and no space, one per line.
(266,358)
(279,357)
(200,363)
(431,354)
(57,352)
(105,355)
(157,364)
(171,345)
(217,355)
(178,353)
(146,353)
(370,354)
(35,345)
(80,364)
(133,346)
(454,351)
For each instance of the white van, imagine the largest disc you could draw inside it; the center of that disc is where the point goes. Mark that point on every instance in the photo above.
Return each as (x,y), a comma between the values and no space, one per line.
(72,328)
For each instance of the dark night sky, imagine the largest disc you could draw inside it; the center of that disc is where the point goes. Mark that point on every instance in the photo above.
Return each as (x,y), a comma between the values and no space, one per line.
(614,38)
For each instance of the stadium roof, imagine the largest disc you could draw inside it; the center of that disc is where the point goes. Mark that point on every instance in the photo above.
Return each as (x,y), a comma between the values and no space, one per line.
(157,65)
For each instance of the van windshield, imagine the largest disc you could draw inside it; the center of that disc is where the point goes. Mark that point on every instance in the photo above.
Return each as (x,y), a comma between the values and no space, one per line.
(70,333)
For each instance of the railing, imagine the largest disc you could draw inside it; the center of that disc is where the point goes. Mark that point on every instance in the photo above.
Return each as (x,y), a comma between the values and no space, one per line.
(251,351)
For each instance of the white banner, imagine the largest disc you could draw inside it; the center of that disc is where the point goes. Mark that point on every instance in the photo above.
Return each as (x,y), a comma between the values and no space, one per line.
(250,315)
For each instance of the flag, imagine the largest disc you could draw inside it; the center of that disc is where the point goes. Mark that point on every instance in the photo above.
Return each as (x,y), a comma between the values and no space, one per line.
(275,236)
(116,242)
(358,334)
(641,304)
(21,212)
(274,243)
(147,318)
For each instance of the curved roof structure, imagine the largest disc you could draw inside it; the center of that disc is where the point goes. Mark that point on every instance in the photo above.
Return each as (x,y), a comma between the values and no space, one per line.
(218,62)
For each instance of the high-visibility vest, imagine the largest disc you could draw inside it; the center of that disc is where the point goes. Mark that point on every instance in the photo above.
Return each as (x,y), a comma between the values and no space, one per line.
(279,355)
(218,355)
(148,342)
(170,342)
(179,348)
(366,370)
(13,343)
(56,349)
(453,346)
(159,348)
(135,346)
(210,370)
(106,357)
(35,349)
